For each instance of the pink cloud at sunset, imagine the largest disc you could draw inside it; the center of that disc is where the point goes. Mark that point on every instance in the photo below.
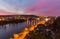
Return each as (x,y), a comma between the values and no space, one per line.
(5,13)
(36,7)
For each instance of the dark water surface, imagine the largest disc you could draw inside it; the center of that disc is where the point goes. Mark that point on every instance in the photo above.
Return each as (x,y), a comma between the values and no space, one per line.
(7,30)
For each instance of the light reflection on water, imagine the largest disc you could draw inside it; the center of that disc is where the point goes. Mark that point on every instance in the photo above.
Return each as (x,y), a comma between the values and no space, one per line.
(7,30)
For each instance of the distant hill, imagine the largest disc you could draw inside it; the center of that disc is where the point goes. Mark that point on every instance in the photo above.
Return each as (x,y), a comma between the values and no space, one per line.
(29,15)
(18,15)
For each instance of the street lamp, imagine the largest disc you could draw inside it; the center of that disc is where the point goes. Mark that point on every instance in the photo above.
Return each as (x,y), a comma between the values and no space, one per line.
(38,18)
(46,19)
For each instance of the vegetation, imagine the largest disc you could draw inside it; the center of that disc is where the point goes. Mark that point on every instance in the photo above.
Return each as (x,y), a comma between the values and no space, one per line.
(12,21)
(37,34)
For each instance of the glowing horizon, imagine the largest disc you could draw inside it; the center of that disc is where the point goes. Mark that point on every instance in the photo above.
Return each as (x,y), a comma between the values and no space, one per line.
(36,7)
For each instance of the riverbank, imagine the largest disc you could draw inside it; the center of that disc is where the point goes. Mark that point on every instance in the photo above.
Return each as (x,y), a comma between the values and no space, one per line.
(12,21)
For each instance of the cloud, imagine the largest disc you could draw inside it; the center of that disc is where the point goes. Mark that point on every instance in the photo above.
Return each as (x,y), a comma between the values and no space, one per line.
(36,7)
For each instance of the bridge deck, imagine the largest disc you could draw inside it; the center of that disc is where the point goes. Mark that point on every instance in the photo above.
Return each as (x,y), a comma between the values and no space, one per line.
(26,31)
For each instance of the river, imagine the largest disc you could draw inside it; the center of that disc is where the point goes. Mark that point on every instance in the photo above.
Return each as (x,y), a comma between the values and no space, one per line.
(7,30)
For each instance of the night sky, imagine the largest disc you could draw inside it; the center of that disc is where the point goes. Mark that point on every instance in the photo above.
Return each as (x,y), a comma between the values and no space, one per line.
(36,7)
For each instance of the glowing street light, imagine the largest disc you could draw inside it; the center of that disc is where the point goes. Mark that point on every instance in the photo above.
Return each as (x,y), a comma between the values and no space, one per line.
(38,18)
(46,19)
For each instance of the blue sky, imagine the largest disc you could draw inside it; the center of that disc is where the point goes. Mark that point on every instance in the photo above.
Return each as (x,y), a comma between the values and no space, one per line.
(36,7)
